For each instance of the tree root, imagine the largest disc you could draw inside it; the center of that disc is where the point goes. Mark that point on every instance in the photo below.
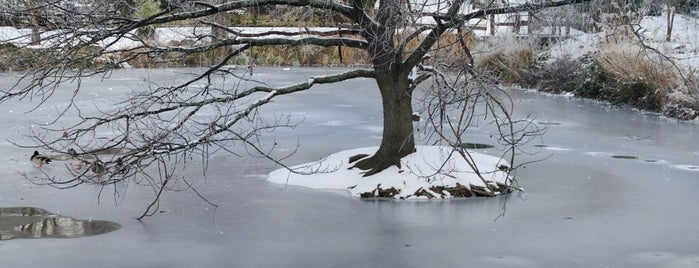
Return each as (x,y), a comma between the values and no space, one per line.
(353,159)
(375,164)
(441,192)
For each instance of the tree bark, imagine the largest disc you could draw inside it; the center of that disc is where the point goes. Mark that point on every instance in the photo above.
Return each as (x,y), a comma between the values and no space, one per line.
(35,18)
(397,140)
(222,19)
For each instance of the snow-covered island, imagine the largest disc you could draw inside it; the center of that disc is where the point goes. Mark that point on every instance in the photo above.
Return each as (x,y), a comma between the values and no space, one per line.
(430,172)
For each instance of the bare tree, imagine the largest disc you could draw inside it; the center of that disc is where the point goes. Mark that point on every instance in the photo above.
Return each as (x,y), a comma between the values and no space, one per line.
(164,124)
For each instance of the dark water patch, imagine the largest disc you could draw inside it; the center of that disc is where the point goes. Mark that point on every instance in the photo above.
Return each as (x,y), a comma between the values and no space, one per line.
(472,145)
(29,222)
(625,157)
(689,167)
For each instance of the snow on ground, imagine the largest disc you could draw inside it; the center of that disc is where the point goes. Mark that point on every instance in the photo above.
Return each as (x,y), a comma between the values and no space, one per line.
(428,167)
(683,45)
(577,46)
(684,41)
(10,34)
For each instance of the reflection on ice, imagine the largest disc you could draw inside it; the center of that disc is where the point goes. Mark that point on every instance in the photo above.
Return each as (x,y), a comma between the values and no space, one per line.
(551,148)
(28,222)
(549,123)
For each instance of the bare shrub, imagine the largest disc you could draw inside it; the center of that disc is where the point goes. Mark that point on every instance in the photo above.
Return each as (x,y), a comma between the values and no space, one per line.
(644,80)
(511,65)
(562,75)
(448,50)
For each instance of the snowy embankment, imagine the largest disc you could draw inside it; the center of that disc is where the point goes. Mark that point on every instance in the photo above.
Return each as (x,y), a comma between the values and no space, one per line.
(430,172)
(638,66)
(683,46)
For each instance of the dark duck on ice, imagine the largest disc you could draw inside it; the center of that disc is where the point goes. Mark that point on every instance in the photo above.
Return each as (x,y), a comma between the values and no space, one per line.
(40,159)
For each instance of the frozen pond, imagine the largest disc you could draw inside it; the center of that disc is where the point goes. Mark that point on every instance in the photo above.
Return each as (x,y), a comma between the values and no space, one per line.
(619,189)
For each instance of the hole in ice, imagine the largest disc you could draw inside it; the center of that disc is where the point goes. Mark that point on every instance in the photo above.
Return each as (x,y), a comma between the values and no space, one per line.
(472,145)
(29,222)
(625,157)
(688,167)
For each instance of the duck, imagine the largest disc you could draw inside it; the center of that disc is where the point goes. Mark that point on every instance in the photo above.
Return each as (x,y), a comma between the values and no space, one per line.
(98,167)
(39,159)
(120,168)
(76,160)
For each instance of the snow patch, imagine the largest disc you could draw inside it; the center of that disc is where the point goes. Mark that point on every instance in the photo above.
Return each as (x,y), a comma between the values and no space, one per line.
(427,168)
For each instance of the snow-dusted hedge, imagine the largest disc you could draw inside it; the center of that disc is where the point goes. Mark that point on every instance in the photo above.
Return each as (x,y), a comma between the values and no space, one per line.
(620,77)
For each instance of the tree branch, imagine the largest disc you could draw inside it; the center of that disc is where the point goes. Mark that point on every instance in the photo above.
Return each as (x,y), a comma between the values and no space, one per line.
(284,33)
(436,32)
(344,10)
(324,42)
(458,20)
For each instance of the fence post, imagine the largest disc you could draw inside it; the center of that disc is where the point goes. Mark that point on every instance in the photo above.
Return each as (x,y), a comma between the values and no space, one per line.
(251,59)
(670,21)
(339,48)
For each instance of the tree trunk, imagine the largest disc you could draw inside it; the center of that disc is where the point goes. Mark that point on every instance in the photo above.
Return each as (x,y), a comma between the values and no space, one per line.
(34,20)
(36,35)
(397,140)
(219,34)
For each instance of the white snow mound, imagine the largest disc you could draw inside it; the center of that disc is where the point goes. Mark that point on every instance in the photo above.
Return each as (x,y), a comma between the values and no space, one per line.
(428,167)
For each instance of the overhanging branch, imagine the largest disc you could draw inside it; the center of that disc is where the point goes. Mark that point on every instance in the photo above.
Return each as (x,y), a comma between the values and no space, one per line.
(306,31)
(344,10)
(360,73)
(457,20)
(324,42)
(436,31)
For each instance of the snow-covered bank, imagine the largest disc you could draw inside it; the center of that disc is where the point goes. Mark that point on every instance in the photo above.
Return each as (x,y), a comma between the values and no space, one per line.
(683,46)
(430,172)
(630,65)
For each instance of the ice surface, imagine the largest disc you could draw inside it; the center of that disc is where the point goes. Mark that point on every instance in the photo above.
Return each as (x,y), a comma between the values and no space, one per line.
(580,209)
